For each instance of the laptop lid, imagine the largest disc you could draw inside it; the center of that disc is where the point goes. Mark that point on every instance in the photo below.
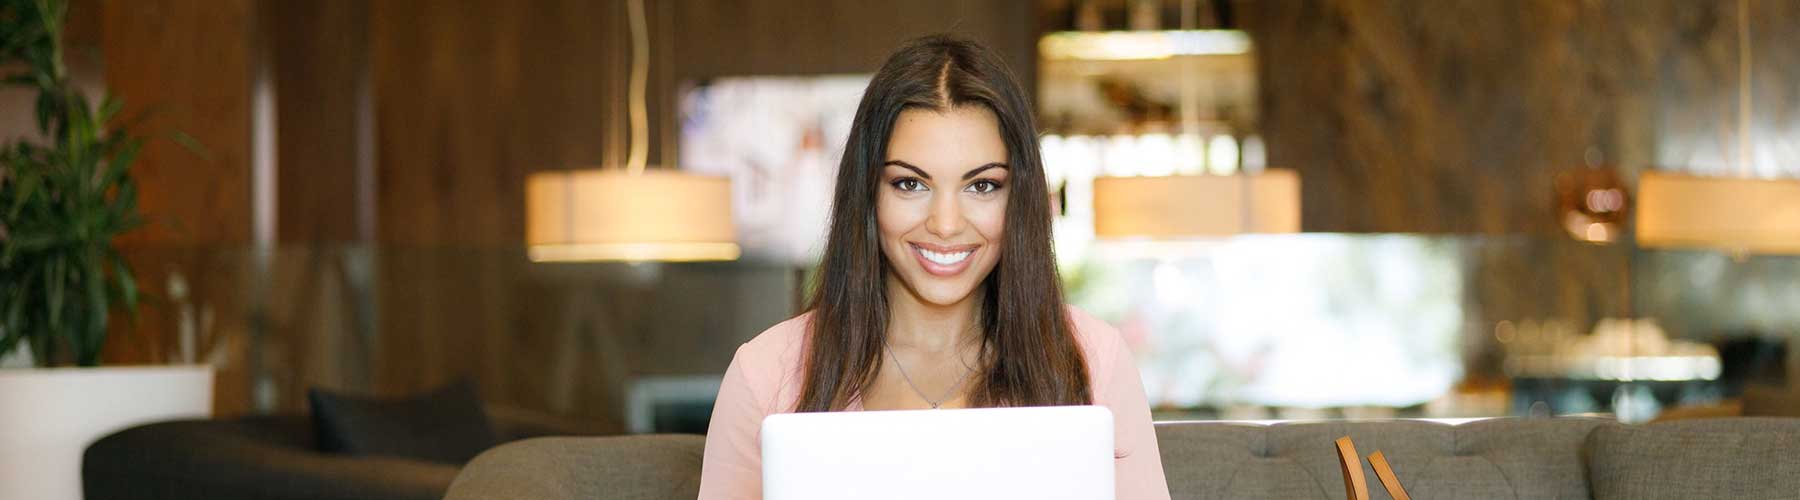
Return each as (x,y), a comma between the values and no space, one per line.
(1062,452)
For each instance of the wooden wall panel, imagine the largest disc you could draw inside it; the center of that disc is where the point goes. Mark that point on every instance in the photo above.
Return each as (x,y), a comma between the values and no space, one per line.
(469,100)
(321,64)
(187,64)
(1455,116)
(760,37)
(186,67)
(1451,116)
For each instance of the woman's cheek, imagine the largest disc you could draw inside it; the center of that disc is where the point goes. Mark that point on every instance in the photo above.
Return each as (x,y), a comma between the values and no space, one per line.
(989,217)
(897,214)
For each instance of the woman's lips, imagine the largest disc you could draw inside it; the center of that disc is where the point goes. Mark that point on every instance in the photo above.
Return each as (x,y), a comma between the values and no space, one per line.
(942,260)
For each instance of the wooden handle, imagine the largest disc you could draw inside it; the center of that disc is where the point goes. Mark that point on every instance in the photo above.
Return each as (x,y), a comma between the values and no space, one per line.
(1355,487)
(1387,477)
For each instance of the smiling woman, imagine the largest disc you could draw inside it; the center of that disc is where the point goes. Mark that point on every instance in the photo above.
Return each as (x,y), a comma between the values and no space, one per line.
(938,288)
(932,224)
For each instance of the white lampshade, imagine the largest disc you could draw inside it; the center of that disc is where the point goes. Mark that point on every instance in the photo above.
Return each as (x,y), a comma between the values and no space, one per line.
(1197,206)
(1759,216)
(608,215)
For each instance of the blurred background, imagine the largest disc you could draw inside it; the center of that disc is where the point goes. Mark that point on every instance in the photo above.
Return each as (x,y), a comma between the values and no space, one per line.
(1292,209)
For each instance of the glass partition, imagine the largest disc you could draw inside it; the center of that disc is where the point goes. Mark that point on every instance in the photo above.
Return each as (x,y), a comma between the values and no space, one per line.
(1254,327)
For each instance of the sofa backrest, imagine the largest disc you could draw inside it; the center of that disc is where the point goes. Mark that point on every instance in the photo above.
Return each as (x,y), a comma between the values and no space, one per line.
(625,467)
(1569,458)
(1499,458)
(1711,458)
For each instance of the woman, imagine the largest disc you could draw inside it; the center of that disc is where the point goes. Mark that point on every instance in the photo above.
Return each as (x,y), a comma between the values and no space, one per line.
(937,288)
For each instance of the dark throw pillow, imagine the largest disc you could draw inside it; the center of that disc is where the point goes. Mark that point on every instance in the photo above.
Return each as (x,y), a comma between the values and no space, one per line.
(445,426)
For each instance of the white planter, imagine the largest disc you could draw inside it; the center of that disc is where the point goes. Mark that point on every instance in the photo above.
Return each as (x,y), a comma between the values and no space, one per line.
(48,417)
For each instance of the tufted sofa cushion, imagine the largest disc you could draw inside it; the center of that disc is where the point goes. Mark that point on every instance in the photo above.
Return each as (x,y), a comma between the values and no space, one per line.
(1499,458)
(1716,458)
(640,467)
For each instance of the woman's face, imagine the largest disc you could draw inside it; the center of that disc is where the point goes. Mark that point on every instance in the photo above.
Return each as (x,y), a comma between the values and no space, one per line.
(941,205)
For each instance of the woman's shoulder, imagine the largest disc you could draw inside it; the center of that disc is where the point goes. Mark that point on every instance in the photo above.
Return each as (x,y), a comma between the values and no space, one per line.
(776,347)
(788,331)
(1100,344)
(1095,336)
(770,363)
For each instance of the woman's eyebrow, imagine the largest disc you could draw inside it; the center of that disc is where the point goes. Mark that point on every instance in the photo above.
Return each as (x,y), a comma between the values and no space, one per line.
(908,166)
(966,175)
(971,174)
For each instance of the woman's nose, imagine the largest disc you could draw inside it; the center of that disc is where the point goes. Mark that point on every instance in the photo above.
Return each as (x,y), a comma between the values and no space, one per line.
(946,218)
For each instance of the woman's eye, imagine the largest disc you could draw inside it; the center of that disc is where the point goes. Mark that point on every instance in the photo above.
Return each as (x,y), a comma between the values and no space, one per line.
(909,185)
(984,187)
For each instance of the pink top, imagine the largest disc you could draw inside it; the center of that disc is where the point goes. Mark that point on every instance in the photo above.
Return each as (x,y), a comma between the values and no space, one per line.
(764,378)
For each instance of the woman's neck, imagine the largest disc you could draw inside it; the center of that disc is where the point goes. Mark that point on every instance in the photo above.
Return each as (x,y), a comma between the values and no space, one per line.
(917,324)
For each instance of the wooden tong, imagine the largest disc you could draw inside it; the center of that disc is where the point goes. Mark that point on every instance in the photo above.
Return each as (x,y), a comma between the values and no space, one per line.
(1357,488)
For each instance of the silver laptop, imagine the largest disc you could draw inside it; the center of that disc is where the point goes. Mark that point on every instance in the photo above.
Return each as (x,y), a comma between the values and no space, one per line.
(1062,452)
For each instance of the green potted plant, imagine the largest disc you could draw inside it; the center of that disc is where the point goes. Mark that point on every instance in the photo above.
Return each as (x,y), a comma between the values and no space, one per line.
(62,202)
(66,193)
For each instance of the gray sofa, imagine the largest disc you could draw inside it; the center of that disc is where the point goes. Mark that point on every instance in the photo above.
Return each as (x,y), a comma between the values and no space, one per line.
(1739,458)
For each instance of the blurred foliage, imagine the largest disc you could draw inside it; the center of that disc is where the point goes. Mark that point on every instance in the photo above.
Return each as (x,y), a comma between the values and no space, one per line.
(64,197)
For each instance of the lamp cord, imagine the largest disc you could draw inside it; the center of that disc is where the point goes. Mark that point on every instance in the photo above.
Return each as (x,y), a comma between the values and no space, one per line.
(640,53)
(1744,110)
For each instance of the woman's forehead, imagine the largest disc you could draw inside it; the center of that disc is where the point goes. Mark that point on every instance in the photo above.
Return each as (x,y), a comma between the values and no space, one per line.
(951,141)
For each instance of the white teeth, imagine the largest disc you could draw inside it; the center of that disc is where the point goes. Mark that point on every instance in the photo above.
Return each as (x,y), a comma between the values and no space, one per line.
(944,258)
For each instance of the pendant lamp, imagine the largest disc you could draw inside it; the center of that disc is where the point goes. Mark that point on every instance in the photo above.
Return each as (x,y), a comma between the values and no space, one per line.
(631,213)
(1197,206)
(1740,214)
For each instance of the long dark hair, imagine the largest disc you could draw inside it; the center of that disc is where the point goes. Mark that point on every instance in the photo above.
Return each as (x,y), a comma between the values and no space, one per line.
(1029,356)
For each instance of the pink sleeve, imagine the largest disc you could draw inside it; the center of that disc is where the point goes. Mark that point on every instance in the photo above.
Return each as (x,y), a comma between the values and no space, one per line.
(732,465)
(1138,473)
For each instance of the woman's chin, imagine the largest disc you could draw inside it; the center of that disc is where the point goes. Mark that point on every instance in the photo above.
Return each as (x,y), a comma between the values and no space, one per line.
(942,294)
(935,290)
(946,299)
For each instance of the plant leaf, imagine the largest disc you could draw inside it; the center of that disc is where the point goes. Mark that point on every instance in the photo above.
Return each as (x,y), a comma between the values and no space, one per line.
(121,162)
(123,207)
(54,274)
(31,242)
(27,184)
(14,317)
(109,108)
(191,144)
(46,111)
(80,135)
(128,289)
(94,328)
